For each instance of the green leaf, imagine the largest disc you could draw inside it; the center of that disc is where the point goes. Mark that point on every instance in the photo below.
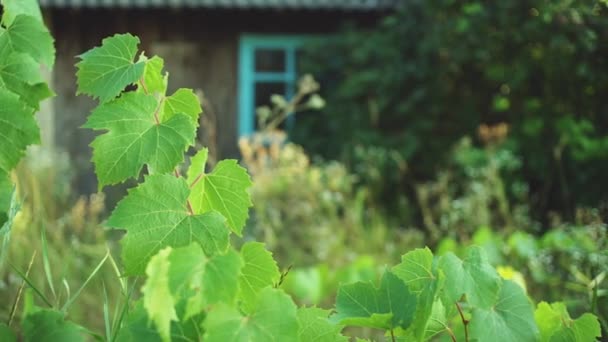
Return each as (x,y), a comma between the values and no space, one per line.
(5,227)
(153,79)
(555,324)
(158,299)
(20,74)
(134,138)
(6,334)
(105,71)
(473,277)
(49,325)
(223,190)
(423,278)
(221,278)
(28,35)
(155,216)
(6,191)
(137,328)
(18,129)
(259,271)
(182,101)
(272,319)
(416,269)
(13,8)
(511,317)
(390,306)
(314,326)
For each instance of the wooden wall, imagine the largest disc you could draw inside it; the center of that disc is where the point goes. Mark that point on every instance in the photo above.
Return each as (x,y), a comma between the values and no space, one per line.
(200,49)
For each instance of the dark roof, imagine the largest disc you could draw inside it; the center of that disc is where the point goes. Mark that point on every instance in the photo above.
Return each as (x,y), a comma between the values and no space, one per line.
(359,5)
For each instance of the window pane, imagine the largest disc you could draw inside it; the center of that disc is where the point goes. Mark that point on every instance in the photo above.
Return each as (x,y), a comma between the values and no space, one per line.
(263,91)
(270,60)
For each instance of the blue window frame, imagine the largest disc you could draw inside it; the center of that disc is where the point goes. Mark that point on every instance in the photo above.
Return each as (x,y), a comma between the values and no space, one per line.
(267,65)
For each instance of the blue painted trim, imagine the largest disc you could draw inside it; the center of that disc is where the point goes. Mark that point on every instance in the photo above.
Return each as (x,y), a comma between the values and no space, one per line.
(248,77)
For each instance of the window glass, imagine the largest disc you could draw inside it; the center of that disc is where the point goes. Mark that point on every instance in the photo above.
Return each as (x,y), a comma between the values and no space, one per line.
(270,60)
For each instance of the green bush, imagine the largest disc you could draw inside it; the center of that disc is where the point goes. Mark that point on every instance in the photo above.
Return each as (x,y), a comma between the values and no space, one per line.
(437,70)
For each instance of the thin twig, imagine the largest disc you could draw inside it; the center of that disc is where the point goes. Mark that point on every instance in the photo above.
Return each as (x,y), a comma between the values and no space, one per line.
(465,322)
(27,273)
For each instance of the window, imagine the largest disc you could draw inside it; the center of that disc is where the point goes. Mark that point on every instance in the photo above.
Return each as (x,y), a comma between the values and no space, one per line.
(267,65)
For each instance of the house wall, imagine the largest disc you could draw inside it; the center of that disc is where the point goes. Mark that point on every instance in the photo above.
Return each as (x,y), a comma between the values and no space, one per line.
(200,49)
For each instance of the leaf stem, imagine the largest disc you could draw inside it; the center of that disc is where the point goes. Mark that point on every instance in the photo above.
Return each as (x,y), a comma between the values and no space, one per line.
(465,322)
(160,104)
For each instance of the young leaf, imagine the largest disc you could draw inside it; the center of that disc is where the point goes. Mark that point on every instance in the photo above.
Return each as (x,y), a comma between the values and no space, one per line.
(424,279)
(134,138)
(182,101)
(42,324)
(221,276)
(473,277)
(273,318)
(314,326)
(18,129)
(390,306)
(105,71)
(157,297)
(555,324)
(155,215)
(153,79)
(259,271)
(223,190)
(511,317)
(13,8)
(28,35)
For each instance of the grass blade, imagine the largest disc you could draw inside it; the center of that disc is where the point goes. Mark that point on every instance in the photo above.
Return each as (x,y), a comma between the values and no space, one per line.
(45,262)
(14,307)
(32,286)
(106,314)
(71,300)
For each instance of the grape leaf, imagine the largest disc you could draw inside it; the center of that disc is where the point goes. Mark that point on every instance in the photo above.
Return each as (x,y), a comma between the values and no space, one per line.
(272,319)
(49,325)
(259,271)
(106,70)
(13,8)
(511,317)
(20,74)
(134,138)
(18,129)
(28,35)
(182,101)
(314,326)
(136,327)
(473,277)
(221,278)
(153,79)
(223,190)
(158,299)
(155,216)
(555,324)
(6,190)
(424,279)
(390,306)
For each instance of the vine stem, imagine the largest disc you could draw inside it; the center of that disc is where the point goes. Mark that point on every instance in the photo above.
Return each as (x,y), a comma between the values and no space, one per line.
(465,322)
(393,336)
